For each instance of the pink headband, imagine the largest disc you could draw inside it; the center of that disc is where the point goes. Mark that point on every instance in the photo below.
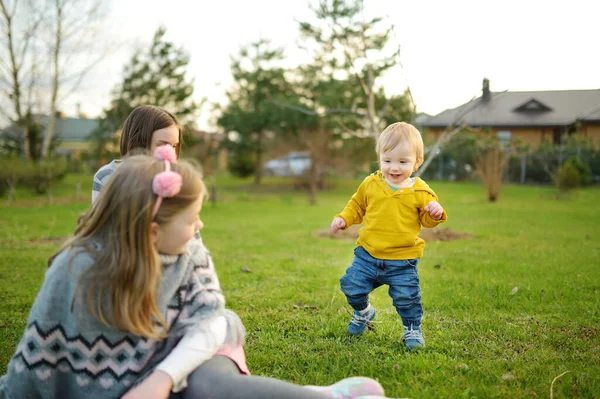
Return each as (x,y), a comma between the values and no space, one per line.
(166,184)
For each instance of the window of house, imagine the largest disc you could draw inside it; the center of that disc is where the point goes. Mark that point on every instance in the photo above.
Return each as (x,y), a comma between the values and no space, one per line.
(504,137)
(560,132)
(532,106)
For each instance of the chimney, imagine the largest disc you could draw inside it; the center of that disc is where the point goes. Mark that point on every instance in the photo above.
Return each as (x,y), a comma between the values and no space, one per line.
(485,90)
(80,114)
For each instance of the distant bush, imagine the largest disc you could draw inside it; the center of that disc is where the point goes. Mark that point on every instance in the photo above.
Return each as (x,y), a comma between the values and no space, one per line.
(242,164)
(39,176)
(3,187)
(45,173)
(585,172)
(76,166)
(567,177)
(14,170)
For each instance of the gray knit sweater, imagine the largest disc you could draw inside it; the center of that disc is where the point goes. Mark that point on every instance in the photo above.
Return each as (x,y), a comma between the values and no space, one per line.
(66,353)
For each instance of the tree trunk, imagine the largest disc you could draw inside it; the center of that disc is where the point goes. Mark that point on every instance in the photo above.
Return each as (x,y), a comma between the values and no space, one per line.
(15,95)
(27,150)
(314,180)
(258,172)
(52,121)
(523,175)
(371,105)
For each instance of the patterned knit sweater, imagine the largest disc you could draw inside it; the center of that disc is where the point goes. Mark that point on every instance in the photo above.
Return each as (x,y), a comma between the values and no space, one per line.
(66,353)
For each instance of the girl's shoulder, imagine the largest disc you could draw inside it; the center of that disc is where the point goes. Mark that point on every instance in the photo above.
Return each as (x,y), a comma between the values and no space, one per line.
(61,279)
(106,170)
(70,262)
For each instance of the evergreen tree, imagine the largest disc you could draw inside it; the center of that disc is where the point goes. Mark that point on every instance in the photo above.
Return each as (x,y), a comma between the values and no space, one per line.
(156,76)
(252,111)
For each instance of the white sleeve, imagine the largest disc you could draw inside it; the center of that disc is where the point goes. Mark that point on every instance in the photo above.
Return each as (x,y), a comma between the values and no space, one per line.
(195,348)
(94,196)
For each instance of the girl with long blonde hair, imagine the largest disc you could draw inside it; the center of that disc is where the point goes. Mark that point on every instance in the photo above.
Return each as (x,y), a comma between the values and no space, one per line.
(131,305)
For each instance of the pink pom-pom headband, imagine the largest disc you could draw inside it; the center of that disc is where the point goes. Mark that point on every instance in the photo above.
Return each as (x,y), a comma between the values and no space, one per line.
(166,184)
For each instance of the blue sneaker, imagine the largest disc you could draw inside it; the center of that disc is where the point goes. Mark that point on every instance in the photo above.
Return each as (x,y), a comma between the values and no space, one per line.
(360,321)
(413,338)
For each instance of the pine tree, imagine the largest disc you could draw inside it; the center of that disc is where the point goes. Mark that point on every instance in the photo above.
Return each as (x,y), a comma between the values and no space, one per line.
(252,110)
(156,76)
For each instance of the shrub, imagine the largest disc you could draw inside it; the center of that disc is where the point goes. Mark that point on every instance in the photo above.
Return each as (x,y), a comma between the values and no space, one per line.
(242,164)
(490,167)
(45,173)
(490,164)
(13,170)
(585,172)
(567,177)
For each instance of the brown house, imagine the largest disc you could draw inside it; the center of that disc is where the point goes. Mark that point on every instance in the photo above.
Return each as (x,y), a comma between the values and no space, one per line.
(527,116)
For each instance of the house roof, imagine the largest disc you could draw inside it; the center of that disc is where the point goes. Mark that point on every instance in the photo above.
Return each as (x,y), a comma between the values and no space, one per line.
(73,129)
(420,118)
(523,109)
(593,115)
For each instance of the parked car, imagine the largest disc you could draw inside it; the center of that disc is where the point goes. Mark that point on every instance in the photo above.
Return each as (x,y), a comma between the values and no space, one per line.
(293,164)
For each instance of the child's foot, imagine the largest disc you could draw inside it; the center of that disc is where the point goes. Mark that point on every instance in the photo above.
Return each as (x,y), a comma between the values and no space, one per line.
(360,320)
(413,337)
(351,388)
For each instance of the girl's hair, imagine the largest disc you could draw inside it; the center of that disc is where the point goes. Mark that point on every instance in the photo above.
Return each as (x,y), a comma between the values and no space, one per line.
(123,282)
(141,123)
(399,132)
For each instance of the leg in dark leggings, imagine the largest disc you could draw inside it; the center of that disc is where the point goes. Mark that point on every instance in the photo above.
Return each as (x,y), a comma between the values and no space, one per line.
(220,378)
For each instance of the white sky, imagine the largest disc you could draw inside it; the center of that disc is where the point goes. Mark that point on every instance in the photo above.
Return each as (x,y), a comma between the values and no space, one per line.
(447,47)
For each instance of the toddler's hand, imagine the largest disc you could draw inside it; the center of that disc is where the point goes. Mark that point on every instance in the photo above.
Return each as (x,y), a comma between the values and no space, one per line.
(435,210)
(157,385)
(337,224)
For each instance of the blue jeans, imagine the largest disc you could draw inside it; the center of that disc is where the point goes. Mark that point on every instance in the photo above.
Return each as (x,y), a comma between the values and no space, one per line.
(367,273)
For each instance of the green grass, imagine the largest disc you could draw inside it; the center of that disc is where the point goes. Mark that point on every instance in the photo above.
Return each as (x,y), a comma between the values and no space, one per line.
(481,340)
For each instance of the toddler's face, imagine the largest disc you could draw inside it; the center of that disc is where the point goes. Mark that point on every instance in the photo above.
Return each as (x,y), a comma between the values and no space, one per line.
(399,163)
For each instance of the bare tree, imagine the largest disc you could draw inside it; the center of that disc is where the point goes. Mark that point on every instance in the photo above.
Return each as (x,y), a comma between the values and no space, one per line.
(349,45)
(75,27)
(457,125)
(70,30)
(20,24)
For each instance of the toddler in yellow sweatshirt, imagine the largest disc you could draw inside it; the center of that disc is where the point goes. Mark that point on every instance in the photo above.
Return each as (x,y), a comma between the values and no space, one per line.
(392,206)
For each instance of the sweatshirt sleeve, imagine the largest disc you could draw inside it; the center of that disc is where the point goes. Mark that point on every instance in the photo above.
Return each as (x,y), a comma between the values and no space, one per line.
(100,179)
(355,210)
(195,348)
(96,186)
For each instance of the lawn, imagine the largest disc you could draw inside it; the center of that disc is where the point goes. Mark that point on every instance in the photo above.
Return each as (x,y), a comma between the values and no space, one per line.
(506,311)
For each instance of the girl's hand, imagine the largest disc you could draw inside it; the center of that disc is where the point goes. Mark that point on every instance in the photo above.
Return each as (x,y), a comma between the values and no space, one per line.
(337,224)
(435,210)
(158,385)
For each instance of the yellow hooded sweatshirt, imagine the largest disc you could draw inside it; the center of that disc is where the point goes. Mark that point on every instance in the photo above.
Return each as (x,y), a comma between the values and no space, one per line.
(391,219)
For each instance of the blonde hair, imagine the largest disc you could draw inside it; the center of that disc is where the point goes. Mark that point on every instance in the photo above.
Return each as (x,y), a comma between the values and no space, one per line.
(125,277)
(397,133)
